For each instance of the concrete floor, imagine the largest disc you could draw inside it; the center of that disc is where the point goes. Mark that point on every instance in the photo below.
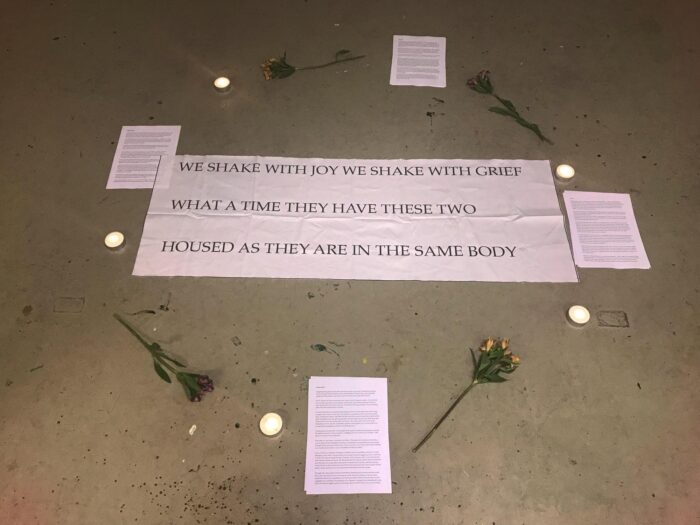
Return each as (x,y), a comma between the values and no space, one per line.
(599,426)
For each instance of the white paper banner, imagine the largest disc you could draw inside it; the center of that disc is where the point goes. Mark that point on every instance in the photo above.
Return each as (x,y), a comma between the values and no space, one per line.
(428,220)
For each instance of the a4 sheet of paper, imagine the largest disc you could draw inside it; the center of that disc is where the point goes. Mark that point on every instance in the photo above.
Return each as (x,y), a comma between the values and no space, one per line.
(347,444)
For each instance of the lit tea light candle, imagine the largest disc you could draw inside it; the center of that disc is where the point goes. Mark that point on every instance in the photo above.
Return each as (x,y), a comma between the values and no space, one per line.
(271,424)
(114,240)
(565,172)
(578,315)
(222,84)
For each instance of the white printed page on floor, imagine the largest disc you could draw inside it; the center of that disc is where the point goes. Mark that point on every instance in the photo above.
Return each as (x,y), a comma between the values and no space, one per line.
(418,61)
(604,232)
(138,155)
(347,445)
(420,219)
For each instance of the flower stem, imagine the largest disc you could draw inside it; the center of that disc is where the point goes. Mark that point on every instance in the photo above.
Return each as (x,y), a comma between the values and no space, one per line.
(449,410)
(520,120)
(142,339)
(134,332)
(330,63)
(163,362)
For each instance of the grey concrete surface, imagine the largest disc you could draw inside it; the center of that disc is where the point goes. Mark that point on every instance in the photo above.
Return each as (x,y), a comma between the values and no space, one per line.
(599,426)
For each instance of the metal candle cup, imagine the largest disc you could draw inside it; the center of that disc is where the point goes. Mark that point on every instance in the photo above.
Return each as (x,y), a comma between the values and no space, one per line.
(578,315)
(114,240)
(271,424)
(222,84)
(565,172)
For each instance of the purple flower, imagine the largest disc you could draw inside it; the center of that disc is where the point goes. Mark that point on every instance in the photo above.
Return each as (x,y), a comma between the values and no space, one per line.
(206,384)
(481,82)
(195,385)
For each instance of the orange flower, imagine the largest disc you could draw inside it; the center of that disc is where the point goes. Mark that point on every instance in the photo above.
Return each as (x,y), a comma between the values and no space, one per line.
(266,69)
(277,68)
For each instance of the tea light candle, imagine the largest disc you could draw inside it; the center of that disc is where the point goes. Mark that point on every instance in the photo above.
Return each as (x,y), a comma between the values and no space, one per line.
(579,315)
(114,240)
(271,424)
(222,84)
(565,172)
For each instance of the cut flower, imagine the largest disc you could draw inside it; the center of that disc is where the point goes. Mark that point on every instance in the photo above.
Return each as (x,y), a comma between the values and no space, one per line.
(278,67)
(195,385)
(495,359)
(481,83)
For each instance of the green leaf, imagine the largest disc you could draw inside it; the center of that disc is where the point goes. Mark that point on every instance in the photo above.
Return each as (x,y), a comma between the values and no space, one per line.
(188,391)
(161,372)
(484,361)
(342,52)
(478,89)
(192,381)
(172,360)
(485,373)
(153,312)
(508,104)
(496,379)
(287,72)
(141,338)
(189,383)
(532,127)
(476,366)
(524,123)
(484,83)
(501,111)
(536,129)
